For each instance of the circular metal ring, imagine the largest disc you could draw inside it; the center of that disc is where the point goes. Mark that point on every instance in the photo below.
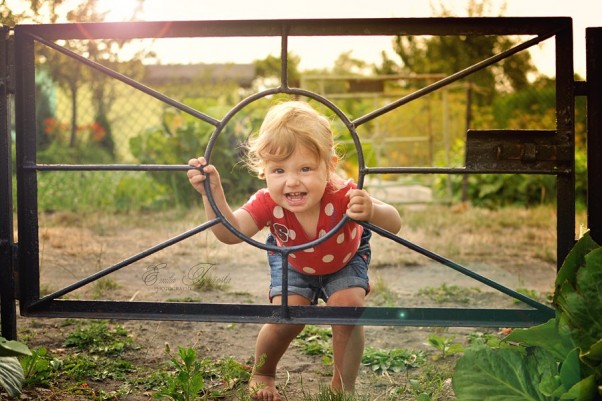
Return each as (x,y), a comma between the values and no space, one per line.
(224,122)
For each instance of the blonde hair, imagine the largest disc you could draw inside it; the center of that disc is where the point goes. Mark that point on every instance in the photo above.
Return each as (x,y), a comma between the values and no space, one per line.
(286,126)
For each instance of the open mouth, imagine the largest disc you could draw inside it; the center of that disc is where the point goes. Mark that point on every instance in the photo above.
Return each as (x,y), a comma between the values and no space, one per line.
(295,197)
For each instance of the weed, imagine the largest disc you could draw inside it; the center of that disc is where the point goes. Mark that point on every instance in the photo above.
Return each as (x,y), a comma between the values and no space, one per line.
(445,345)
(381,294)
(325,393)
(84,367)
(187,381)
(314,340)
(433,382)
(99,338)
(394,360)
(534,294)
(193,377)
(445,293)
(40,368)
(102,286)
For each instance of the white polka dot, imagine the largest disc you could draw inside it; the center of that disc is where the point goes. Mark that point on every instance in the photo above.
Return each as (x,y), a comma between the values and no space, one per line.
(341,238)
(329,209)
(327,258)
(278,212)
(309,270)
(292,255)
(346,259)
(292,234)
(308,250)
(321,233)
(353,232)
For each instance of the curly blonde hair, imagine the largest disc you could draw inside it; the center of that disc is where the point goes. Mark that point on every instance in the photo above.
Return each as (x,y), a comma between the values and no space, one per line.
(286,126)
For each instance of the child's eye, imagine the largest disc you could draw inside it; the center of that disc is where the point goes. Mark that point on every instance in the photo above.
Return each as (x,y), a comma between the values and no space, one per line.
(278,170)
(306,169)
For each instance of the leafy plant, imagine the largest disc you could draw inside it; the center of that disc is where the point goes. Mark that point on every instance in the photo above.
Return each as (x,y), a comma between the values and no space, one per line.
(187,381)
(394,360)
(11,372)
(194,377)
(314,340)
(39,367)
(448,293)
(558,360)
(445,345)
(99,338)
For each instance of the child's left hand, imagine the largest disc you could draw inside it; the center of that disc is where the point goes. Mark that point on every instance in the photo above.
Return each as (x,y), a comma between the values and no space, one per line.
(360,206)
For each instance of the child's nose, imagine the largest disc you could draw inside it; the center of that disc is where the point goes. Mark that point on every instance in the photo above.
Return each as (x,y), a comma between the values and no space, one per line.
(292,180)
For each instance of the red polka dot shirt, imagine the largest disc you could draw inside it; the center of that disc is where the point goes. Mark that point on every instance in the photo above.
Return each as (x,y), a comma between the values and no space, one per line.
(329,256)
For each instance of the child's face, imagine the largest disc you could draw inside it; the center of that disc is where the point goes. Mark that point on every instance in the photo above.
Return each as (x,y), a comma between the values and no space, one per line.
(297,183)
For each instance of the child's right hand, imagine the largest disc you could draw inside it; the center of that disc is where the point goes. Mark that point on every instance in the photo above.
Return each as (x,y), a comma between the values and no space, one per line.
(197,178)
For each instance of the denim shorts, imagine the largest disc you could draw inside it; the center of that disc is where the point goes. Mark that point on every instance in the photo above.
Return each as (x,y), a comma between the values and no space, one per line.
(313,287)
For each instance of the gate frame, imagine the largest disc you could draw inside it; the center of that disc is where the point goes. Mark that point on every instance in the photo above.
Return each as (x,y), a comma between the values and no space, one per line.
(28,261)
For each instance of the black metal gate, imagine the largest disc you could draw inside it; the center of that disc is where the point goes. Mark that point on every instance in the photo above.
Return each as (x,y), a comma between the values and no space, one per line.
(549,152)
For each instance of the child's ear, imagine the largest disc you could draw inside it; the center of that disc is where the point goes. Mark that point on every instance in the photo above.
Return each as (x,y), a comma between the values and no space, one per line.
(334,160)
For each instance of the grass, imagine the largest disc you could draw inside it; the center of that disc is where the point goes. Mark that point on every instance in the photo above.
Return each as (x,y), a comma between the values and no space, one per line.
(449,293)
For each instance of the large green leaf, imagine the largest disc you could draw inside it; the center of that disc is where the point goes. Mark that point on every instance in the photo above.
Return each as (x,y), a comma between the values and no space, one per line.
(485,374)
(585,390)
(574,260)
(546,336)
(13,348)
(11,375)
(579,301)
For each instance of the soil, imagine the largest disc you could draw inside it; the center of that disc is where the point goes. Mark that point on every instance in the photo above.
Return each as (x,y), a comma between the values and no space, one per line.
(72,247)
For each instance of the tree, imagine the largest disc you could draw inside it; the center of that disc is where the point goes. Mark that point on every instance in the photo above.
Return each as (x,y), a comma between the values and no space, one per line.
(70,74)
(270,67)
(449,54)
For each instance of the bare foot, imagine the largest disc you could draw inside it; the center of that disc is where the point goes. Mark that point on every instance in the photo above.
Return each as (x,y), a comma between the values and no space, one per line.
(263,388)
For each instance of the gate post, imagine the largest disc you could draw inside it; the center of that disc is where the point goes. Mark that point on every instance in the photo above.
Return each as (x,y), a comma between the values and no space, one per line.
(594,131)
(7,279)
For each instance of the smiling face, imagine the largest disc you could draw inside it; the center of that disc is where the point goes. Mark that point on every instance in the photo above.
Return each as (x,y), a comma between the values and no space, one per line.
(298,182)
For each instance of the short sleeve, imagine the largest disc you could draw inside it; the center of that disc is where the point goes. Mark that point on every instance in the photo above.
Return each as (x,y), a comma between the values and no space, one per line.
(260,206)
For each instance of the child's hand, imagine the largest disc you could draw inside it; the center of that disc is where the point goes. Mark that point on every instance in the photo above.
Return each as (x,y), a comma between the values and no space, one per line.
(197,178)
(360,206)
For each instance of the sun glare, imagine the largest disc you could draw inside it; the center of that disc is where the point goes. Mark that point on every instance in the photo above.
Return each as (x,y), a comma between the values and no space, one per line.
(119,10)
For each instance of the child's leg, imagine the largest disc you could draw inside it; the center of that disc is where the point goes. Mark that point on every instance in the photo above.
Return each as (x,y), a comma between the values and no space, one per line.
(347,341)
(272,342)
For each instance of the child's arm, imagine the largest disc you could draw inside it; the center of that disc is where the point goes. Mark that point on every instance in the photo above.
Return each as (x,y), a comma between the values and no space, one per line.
(363,207)
(239,218)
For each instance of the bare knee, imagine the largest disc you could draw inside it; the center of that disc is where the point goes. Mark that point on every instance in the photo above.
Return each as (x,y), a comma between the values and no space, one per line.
(348,297)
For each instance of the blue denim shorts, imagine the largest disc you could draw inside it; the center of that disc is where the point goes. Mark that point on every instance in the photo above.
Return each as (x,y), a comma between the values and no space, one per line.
(312,287)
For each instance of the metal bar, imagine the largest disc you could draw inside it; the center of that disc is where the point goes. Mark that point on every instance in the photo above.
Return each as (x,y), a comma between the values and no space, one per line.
(594,131)
(109,167)
(452,78)
(246,313)
(565,128)
(8,297)
(27,185)
(456,170)
(284,60)
(125,262)
(459,268)
(129,81)
(367,170)
(300,27)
